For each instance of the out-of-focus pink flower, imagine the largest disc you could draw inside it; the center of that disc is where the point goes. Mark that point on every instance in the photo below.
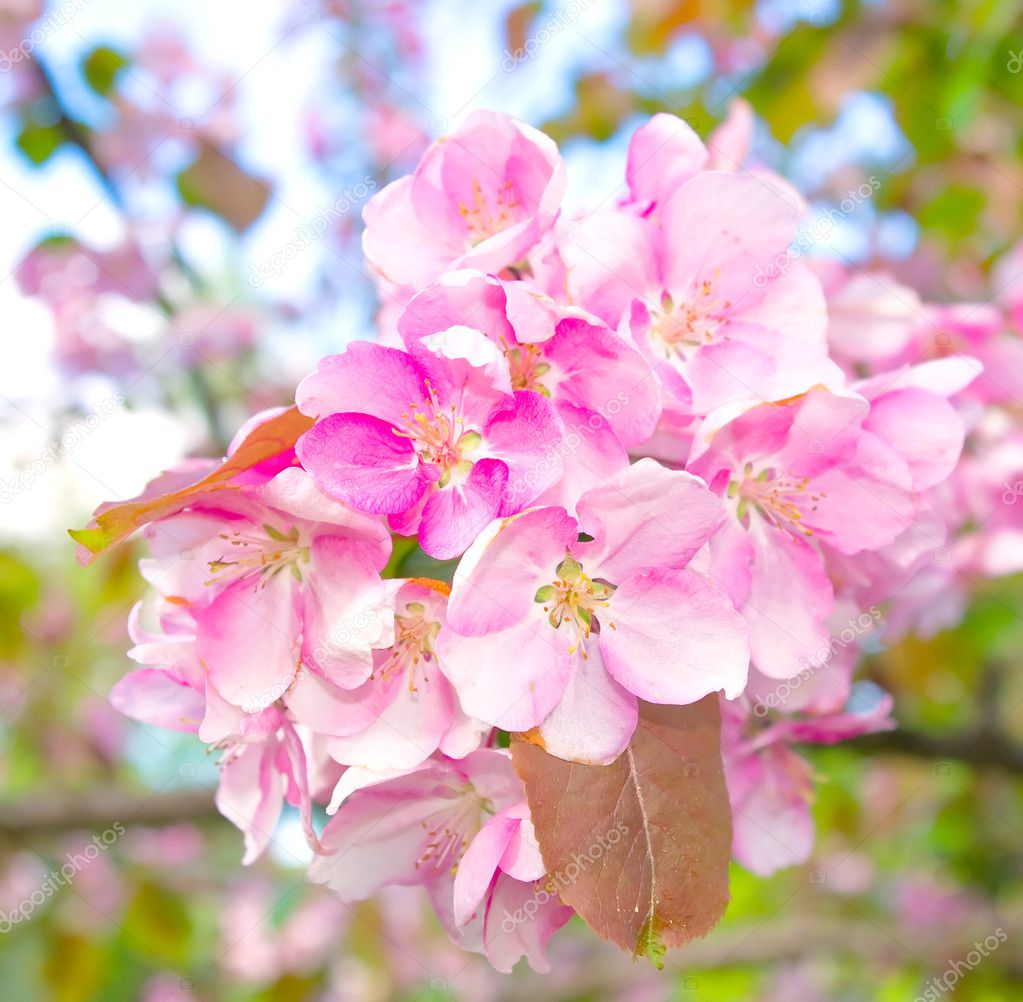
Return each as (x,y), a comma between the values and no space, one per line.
(169,987)
(81,285)
(771,787)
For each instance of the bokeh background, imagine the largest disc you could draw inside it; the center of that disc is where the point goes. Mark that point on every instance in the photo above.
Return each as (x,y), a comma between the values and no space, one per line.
(180,194)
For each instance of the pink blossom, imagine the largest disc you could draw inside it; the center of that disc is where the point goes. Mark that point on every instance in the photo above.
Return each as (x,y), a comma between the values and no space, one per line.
(421,828)
(606,394)
(480,198)
(563,353)
(80,284)
(498,879)
(436,439)
(282,555)
(770,787)
(258,951)
(719,314)
(796,474)
(170,694)
(416,709)
(561,623)
(655,467)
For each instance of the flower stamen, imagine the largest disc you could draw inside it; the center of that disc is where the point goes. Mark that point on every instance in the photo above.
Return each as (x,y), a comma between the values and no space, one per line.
(574,598)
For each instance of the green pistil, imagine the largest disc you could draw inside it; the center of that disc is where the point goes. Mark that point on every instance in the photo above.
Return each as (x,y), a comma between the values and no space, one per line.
(569,570)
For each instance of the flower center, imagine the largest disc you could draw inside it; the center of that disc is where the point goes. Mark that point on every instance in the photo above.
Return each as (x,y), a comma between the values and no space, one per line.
(439,436)
(527,367)
(695,321)
(574,598)
(481,220)
(413,645)
(450,829)
(781,499)
(263,554)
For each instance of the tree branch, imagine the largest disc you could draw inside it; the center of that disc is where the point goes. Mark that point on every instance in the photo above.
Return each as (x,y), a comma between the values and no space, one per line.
(60,811)
(767,943)
(988,749)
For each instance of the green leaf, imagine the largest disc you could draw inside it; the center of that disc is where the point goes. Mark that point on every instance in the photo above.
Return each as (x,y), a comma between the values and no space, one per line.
(39,142)
(157,923)
(954,212)
(101,67)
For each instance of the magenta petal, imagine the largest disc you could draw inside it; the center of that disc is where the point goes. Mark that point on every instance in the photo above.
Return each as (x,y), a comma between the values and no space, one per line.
(454,515)
(526,434)
(365,378)
(600,372)
(360,460)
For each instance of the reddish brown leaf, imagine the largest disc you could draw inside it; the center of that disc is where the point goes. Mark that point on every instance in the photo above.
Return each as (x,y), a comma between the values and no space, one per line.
(640,848)
(217,183)
(517,24)
(115,522)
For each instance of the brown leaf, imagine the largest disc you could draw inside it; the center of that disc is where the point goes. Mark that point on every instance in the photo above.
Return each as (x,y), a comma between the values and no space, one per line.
(115,522)
(639,848)
(518,22)
(217,183)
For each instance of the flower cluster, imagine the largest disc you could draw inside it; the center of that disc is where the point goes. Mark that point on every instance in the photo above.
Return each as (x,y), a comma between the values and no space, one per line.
(589,463)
